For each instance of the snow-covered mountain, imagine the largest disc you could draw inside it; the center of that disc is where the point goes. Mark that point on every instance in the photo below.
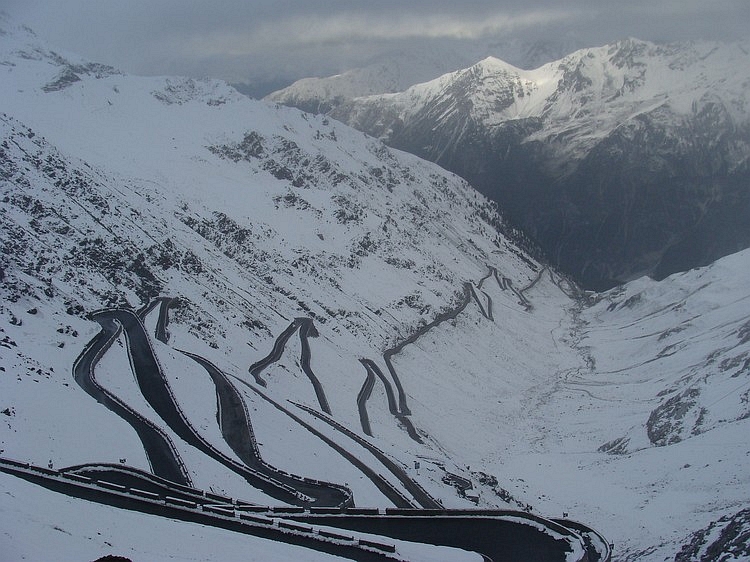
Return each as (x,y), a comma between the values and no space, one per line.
(360,302)
(623,160)
(395,72)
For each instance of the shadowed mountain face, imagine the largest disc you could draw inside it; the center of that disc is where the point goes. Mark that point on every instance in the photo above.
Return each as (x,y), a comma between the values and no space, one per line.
(649,198)
(620,161)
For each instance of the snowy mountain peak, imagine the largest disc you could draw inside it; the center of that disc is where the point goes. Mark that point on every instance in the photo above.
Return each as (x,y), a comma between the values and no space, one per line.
(612,119)
(397,71)
(496,65)
(615,80)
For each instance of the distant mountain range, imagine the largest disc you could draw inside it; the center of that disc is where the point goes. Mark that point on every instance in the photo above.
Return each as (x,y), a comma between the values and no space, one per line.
(620,161)
(396,71)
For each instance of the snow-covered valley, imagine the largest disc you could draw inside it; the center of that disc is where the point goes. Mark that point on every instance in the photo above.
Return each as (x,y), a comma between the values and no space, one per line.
(625,410)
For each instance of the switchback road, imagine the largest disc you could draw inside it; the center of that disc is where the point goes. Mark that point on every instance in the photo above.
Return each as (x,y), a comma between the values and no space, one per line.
(237,431)
(306,330)
(160,451)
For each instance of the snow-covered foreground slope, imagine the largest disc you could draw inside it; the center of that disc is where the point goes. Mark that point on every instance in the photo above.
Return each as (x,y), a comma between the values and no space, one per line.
(623,412)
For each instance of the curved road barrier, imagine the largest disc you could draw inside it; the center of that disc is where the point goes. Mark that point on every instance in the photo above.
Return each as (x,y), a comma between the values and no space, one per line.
(227,514)
(498,535)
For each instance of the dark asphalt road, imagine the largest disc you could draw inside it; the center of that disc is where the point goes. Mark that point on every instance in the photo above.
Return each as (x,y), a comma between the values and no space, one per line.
(306,330)
(160,450)
(155,389)
(373,369)
(278,347)
(362,397)
(418,493)
(512,537)
(500,536)
(206,509)
(497,538)
(237,431)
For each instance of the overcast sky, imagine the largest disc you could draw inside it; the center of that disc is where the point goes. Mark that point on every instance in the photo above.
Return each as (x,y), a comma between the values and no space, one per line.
(243,40)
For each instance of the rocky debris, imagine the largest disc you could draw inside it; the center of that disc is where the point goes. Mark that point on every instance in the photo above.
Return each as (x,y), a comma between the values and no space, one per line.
(723,540)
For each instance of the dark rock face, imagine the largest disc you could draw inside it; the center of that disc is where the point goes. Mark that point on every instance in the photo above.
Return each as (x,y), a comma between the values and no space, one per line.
(660,194)
(732,543)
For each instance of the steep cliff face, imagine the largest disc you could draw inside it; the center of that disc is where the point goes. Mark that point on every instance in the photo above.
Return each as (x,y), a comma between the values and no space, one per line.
(623,160)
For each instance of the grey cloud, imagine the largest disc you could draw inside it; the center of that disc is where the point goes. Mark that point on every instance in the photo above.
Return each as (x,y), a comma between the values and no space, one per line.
(267,39)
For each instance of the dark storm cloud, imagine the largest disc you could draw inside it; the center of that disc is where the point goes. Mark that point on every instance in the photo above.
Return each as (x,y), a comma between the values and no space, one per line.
(238,39)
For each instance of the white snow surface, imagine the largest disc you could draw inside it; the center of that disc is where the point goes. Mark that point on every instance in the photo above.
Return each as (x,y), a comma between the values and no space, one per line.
(395,72)
(627,410)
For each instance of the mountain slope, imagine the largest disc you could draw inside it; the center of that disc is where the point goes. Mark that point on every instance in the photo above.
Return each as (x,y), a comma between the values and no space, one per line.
(619,161)
(117,190)
(295,245)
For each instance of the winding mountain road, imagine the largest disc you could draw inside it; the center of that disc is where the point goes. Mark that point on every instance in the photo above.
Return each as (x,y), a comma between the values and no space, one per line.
(159,448)
(497,535)
(236,428)
(372,371)
(306,330)
(401,410)
(486,311)
(362,397)
(396,497)
(278,348)
(158,394)
(419,494)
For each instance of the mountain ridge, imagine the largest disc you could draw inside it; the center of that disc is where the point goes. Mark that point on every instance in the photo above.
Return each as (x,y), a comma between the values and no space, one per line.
(394,72)
(567,148)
